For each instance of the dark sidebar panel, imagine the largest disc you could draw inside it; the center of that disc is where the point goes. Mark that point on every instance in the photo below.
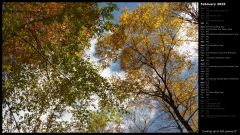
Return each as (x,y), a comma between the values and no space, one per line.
(219,42)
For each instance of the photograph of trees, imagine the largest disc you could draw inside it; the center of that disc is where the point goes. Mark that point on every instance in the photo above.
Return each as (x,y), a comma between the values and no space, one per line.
(99,67)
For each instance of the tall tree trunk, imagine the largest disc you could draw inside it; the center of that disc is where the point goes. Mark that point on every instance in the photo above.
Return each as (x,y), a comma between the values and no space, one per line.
(179,116)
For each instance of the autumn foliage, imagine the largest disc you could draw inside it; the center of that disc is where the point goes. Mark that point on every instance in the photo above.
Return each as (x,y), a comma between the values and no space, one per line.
(47,73)
(146,43)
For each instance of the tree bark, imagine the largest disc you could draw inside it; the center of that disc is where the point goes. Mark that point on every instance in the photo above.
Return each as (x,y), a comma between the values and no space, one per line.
(181,119)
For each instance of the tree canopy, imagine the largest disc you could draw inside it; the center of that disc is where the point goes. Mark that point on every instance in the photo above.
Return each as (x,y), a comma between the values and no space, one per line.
(49,84)
(146,42)
(45,73)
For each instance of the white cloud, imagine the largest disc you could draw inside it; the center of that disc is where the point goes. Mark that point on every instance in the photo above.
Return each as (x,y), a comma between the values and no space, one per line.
(91,51)
(94,104)
(190,46)
(66,116)
(107,72)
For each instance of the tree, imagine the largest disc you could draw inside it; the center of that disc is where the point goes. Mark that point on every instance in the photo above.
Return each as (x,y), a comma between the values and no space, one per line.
(35,94)
(45,73)
(145,116)
(146,42)
(188,12)
(33,31)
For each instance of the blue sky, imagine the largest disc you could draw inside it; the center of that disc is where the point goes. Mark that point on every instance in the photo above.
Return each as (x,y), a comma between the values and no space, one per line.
(122,5)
